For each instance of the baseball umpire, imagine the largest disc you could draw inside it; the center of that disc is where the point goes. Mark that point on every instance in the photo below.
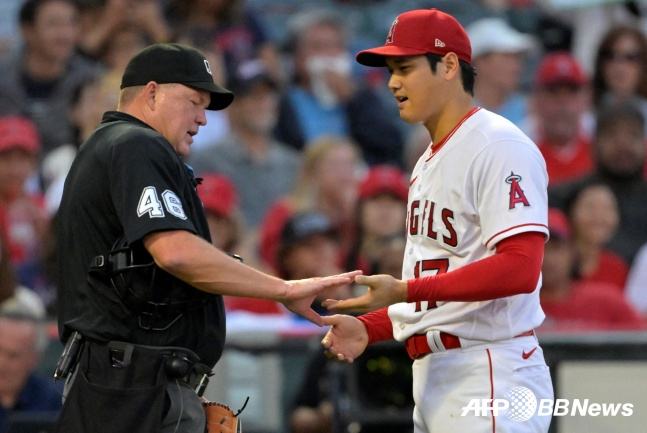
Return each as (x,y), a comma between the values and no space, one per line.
(141,311)
(468,301)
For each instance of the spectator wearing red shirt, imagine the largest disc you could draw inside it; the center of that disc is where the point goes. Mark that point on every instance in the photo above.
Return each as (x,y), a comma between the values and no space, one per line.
(327,182)
(24,217)
(577,305)
(380,213)
(592,211)
(561,103)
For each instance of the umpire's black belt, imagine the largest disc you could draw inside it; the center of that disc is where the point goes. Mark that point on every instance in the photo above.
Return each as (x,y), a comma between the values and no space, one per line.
(181,364)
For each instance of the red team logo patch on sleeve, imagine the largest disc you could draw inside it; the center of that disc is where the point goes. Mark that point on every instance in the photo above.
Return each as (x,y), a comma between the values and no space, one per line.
(516,193)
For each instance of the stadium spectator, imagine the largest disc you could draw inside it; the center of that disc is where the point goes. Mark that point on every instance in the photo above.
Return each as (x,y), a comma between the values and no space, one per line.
(40,78)
(498,53)
(23,340)
(220,200)
(108,24)
(592,211)
(227,27)
(560,117)
(620,70)
(327,182)
(90,101)
(381,212)
(576,305)
(312,410)
(620,155)
(310,246)
(262,168)
(324,98)
(25,221)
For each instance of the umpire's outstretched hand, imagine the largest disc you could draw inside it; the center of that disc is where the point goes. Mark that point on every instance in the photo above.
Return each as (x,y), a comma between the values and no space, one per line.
(301,293)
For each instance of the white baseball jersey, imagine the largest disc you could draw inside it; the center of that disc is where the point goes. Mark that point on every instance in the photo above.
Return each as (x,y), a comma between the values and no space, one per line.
(484,182)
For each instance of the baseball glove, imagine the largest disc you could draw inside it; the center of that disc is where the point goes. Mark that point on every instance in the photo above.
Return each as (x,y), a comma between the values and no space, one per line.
(221,419)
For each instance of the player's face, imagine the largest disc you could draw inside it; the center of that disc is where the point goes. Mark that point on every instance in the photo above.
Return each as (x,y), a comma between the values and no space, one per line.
(180,113)
(416,88)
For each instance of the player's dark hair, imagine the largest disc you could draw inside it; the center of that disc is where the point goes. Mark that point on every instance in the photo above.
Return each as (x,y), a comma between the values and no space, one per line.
(468,72)
(29,9)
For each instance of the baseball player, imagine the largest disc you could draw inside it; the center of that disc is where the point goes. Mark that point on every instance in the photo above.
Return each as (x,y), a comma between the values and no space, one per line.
(468,301)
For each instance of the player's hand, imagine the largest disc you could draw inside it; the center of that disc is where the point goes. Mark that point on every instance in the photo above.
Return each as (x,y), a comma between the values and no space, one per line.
(301,293)
(383,290)
(346,339)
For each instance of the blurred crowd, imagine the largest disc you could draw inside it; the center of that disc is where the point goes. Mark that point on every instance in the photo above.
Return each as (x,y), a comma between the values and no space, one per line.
(306,174)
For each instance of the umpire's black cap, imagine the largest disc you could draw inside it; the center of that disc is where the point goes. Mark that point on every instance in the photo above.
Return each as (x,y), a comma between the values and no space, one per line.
(175,63)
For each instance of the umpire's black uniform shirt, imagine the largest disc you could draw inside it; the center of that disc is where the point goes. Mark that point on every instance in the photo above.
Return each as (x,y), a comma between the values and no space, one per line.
(127,179)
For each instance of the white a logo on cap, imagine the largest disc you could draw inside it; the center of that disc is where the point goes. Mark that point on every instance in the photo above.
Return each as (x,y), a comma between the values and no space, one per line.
(206,65)
(389,37)
(439,43)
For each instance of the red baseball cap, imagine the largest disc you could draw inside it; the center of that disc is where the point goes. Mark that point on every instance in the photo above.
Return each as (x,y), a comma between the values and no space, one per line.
(558,225)
(384,179)
(218,194)
(419,32)
(560,67)
(19,132)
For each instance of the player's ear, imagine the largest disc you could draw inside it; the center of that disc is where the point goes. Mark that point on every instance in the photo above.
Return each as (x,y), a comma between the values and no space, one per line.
(452,65)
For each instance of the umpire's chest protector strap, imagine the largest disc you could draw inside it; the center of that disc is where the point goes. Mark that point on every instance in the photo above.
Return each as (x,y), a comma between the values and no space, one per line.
(159,298)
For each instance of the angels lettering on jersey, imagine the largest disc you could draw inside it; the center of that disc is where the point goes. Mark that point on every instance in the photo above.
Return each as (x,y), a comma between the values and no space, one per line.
(425,219)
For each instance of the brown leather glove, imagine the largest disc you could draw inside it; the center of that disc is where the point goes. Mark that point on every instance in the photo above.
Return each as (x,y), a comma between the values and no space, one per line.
(220,418)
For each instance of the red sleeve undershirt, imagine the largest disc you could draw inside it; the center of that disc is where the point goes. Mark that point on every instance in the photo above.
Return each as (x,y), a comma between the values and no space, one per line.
(513,270)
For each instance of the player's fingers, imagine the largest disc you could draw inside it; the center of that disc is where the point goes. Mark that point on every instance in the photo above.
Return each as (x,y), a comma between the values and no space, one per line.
(363,280)
(352,274)
(331,353)
(330,320)
(357,305)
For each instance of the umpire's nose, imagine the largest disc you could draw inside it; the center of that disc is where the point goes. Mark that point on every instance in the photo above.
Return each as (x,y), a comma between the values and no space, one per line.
(201,118)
